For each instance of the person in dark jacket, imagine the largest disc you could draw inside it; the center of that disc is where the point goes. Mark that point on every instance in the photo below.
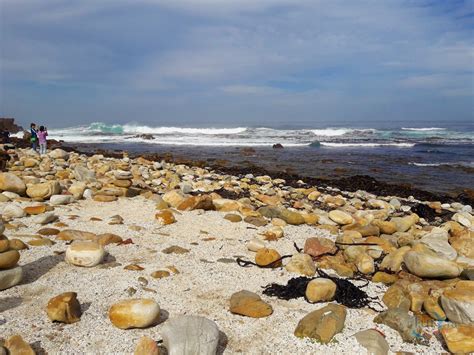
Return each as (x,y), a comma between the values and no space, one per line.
(34,137)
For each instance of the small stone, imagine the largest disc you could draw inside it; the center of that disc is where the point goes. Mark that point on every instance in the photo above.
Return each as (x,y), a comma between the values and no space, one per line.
(114,220)
(256,221)
(365,264)
(323,323)
(459,339)
(266,256)
(165,217)
(255,244)
(320,290)
(134,313)
(45,218)
(17,346)
(341,217)
(174,249)
(10,277)
(430,266)
(301,264)
(274,233)
(146,346)
(160,274)
(433,309)
(9,259)
(384,278)
(48,231)
(190,335)
(133,267)
(41,242)
(104,198)
(373,341)
(43,190)
(291,217)
(84,253)
(17,244)
(249,304)
(13,211)
(64,308)
(232,217)
(34,210)
(405,223)
(73,234)
(108,238)
(396,297)
(57,200)
(77,189)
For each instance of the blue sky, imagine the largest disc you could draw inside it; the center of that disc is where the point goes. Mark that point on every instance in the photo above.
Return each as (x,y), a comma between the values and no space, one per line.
(235,62)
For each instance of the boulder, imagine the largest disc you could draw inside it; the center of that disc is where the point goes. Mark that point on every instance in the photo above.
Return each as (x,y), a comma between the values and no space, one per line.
(323,323)
(320,290)
(437,240)
(43,190)
(64,308)
(301,264)
(190,335)
(458,302)
(459,339)
(405,324)
(249,304)
(84,253)
(12,183)
(10,277)
(430,266)
(134,313)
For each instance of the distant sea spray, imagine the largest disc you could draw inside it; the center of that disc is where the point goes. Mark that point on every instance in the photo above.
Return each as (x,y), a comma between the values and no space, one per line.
(327,137)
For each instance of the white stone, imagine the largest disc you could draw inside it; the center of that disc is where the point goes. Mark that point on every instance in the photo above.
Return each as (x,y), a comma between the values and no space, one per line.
(84,253)
(45,218)
(437,240)
(186,335)
(373,341)
(61,199)
(12,210)
(58,154)
(463,218)
(11,195)
(255,244)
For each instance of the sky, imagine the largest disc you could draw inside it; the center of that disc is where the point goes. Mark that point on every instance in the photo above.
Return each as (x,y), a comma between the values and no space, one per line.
(236,62)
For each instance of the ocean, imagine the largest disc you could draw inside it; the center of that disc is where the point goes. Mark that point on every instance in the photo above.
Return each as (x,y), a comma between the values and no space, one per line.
(436,157)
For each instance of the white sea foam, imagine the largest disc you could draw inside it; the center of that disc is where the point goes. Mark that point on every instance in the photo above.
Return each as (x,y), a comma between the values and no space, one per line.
(331,132)
(367,145)
(423,129)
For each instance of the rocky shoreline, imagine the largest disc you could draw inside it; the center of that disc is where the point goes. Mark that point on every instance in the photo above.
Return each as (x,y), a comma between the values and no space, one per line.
(118,253)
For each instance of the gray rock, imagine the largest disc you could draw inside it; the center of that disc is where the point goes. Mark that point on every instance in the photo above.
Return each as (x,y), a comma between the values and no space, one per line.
(10,277)
(373,341)
(186,335)
(431,266)
(403,323)
(81,173)
(437,240)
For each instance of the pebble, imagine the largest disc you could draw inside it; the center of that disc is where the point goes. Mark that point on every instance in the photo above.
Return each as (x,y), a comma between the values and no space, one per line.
(10,277)
(320,290)
(323,323)
(64,308)
(249,304)
(266,256)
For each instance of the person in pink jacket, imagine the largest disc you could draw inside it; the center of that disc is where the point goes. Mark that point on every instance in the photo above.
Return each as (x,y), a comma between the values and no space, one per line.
(42,134)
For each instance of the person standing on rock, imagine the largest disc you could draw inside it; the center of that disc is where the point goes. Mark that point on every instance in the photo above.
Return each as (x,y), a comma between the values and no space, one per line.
(34,137)
(42,134)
